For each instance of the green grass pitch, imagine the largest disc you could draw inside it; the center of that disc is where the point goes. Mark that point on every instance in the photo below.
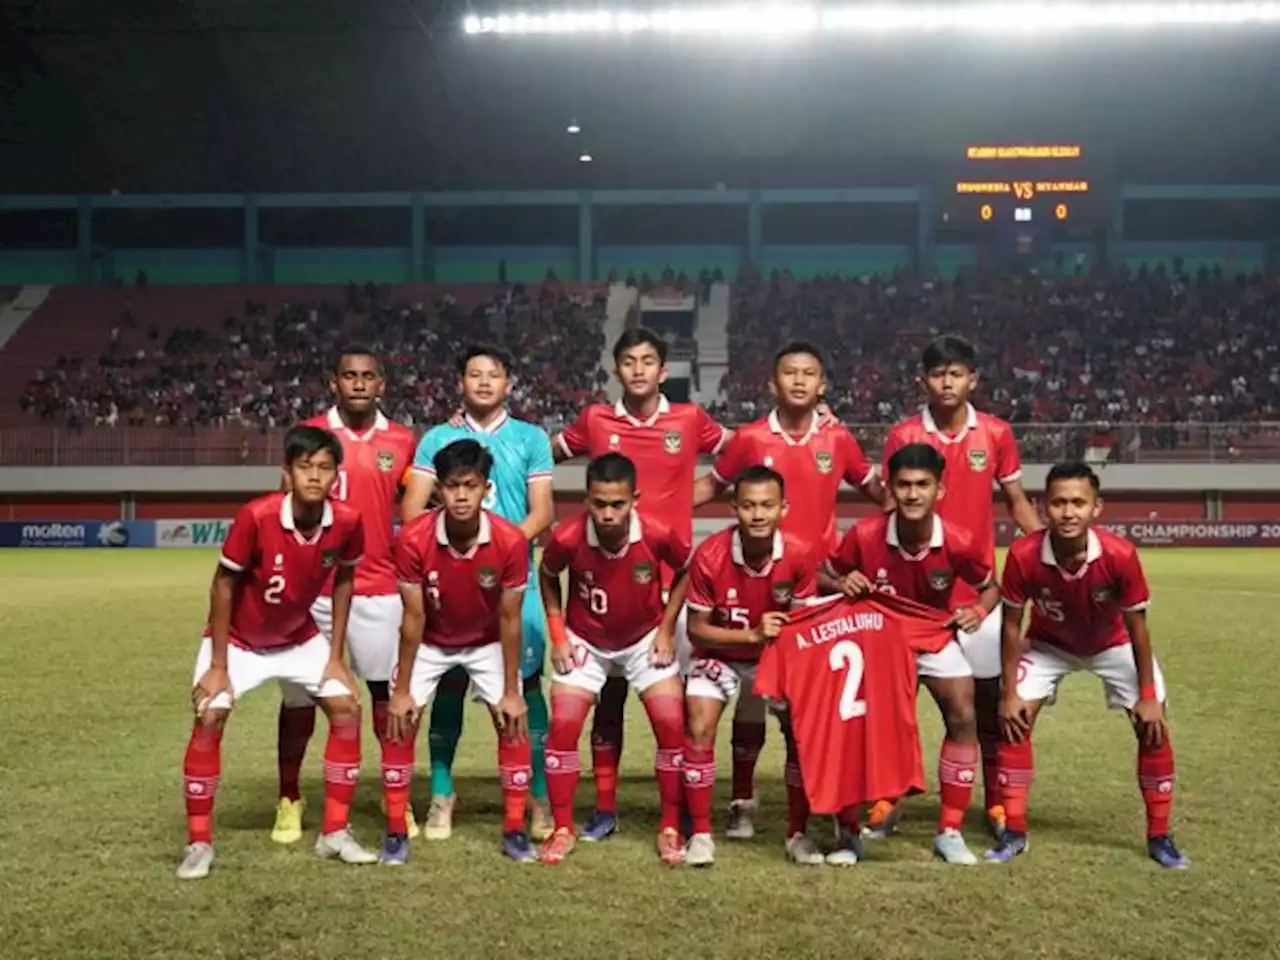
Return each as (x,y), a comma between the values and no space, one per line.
(96,652)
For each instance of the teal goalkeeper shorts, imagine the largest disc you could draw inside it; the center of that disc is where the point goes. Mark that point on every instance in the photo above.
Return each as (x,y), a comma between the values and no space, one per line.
(533,632)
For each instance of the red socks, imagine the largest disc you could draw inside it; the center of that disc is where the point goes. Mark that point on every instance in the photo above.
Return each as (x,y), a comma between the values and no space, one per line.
(1017,771)
(397,780)
(1155,778)
(568,717)
(341,772)
(666,716)
(515,767)
(992,795)
(605,750)
(201,767)
(956,773)
(748,741)
(699,781)
(294,728)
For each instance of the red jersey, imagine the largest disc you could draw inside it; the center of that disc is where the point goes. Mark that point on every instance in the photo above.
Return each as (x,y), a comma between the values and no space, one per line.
(812,467)
(983,454)
(614,598)
(737,596)
(373,466)
(281,571)
(463,591)
(847,672)
(948,573)
(665,449)
(1081,612)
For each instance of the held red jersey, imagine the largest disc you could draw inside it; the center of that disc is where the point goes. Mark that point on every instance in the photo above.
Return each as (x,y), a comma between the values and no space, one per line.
(373,467)
(614,598)
(812,466)
(948,573)
(665,449)
(846,671)
(281,571)
(737,596)
(1081,612)
(983,454)
(462,592)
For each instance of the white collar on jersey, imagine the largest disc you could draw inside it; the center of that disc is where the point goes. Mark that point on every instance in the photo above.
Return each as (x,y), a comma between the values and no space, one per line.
(622,413)
(498,423)
(483,537)
(635,534)
(380,422)
(775,425)
(735,551)
(1092,551)
(891,533)
(286,517)
(931,425)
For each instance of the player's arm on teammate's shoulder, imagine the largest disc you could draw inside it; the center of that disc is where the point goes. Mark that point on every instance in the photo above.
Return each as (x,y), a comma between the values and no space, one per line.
(540,473)
(574,440)
(839,572)
(734,456)
(421,480)
(859,472)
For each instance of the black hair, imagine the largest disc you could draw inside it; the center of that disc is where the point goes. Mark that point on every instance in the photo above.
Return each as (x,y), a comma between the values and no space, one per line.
(1072,470)
(759,473)
(799,346)
(462,456)
(917,456)
(308,441)
(496,354)
(612,468)
(639,337)
(948,349)
(357,350)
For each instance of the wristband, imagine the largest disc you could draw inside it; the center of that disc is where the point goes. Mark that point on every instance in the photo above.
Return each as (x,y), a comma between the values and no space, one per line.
(556,630)
(1147,692)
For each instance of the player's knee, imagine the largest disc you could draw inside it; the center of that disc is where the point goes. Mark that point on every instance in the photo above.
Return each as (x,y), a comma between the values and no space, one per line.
(702,723)
(961,720)
(342,710)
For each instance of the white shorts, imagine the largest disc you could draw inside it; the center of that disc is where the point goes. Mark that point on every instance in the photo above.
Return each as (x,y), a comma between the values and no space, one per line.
(1042,668)
(373,633)
(947,663)
(302,665)
(684,646)
(593,666)
(982,648)
(720,679)
(482,664)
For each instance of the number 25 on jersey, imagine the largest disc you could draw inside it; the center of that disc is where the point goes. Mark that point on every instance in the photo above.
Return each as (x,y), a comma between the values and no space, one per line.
(847,656)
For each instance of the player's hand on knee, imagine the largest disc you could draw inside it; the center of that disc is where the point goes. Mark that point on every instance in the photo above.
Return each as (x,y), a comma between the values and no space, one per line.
(339,671)
(856,585)
(212,682)
(513,715)
(562,658)
(402,716)
(1148,718)
(663,653)
(1015,717)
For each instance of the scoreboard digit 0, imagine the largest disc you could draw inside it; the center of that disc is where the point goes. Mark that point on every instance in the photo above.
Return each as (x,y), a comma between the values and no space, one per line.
(1025,183)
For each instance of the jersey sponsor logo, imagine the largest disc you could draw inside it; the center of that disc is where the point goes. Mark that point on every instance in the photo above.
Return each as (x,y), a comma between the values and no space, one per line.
(386,461)
(732,595)
(940,580)
(822,459)
(614,441)
(977,460)
(488,577)
(782,593)
(328,558)
(642,572)
(671,442)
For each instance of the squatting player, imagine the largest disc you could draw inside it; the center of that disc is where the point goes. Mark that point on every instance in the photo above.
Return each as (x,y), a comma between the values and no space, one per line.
(982,454)
(1088,599)
(914,553)
(664,441)
(617,625)
(279,553)
(376,455)
(742,582)
(519,491)
(463,572)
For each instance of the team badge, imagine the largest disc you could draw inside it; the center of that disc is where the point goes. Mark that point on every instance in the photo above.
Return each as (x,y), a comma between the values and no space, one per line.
(1103,595)
(939,580)
(823,461)
(386,461)
(642,573)
(488,577)
(328,558)
(977,460)
(671,442)
(782,593)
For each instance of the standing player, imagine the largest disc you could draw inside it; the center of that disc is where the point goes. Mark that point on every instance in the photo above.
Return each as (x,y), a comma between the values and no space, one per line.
(617,624)
(462,573)
(664,441)
(376,454)
(981,453)
(742,581)
(914,553)
(279,553)
(813,453)
(1088,599)
(519,491)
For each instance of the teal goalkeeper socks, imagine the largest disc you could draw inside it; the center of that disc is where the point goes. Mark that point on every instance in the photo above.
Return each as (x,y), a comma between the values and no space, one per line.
(538,719)
(443,737)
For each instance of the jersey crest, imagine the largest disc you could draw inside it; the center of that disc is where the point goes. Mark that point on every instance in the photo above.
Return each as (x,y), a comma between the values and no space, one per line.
(328,558)
(488,577)
(782,593)
(642,572)
(940,580)
(1103,595)
(671,442)
(977,460)
(386,461)
(822,459)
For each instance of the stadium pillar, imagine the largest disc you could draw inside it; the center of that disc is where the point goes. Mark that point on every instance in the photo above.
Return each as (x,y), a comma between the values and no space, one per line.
(586,244)
(250,238)
(418,235)
(924,233)
(84,240)
(1115,231)
(755,229)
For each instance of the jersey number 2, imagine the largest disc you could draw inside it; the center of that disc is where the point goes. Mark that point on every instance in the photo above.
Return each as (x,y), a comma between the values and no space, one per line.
(847,655)
(274,590)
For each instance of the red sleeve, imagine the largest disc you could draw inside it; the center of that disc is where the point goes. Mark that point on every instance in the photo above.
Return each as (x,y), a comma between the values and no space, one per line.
(972,566)
(353,549)
(555,555)
(1013,585)
(1134,594)
(678,548)
(575,439)
(515,565)
(242,540)
(407,557)
(892,444)
(1008,459)
(806,584)
(732,460)
(702,589)
(711,436)
(857,468)
(848,556)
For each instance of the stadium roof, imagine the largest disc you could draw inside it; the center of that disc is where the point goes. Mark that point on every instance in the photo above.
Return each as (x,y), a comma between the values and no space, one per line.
(218,95)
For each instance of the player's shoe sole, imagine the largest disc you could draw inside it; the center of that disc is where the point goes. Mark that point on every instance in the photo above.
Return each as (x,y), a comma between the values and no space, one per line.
(197,861)
(288,825)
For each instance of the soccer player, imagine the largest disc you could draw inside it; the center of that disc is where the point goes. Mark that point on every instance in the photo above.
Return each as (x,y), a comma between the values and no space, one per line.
(519,491)
(742,582)
(617,624)
(463,572)
(914,553)
(376,454)
(279,553)
(813,452)
(982,454)
(1088,599)
(664,441)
